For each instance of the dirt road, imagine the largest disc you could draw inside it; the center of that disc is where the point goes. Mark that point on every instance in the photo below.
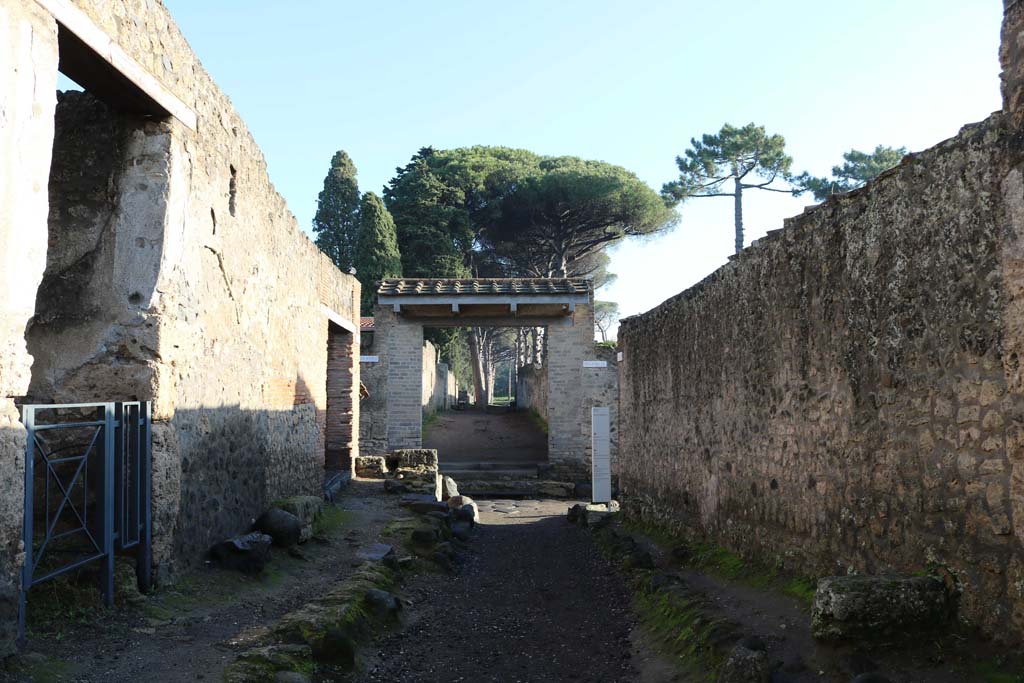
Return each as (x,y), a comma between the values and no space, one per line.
(534,601)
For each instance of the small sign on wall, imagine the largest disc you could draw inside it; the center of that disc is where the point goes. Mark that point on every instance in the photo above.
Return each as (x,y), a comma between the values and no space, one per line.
(369,359)
(595,363)
(619,357)
(601,454)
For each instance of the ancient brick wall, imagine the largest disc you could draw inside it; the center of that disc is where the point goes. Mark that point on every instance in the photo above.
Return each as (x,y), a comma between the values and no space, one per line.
(846,395)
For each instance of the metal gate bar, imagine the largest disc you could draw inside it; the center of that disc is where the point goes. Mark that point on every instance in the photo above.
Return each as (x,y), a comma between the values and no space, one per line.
(120,445)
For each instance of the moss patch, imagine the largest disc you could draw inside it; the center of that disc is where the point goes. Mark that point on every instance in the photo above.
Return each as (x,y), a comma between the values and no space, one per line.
(331,520)
(39,668)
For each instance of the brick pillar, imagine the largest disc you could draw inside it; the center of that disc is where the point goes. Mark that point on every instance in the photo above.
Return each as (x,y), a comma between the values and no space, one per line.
(1011,58)
(341,435)
(400,347)
(568,408)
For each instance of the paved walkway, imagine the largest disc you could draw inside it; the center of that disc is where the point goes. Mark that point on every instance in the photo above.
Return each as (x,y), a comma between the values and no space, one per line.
(475,436)
(534,601)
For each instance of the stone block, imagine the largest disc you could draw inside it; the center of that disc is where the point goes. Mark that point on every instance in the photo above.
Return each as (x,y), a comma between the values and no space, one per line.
(872,607)
(370,466)
(413,457)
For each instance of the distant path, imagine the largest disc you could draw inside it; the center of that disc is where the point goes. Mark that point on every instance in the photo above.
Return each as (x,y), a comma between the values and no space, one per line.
(535,601)
(474,436)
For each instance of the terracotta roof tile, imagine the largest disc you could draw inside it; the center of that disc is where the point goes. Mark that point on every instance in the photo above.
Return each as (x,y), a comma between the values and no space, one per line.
(485,286)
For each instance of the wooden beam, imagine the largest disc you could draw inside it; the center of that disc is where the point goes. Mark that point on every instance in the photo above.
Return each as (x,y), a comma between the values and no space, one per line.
(92,59)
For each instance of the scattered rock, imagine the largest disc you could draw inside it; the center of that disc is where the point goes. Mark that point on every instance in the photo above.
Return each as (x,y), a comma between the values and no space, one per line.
(423,537)
(753,643)
(370,466)
(443,517)
(612,506)
(468,513)
(248,554)
(462,530)
(382,605)
(745,666)
(869,607)
(307,508)
(283,527)
(449,489)
(412,457)
(291,677)
(375,552)
(424,507)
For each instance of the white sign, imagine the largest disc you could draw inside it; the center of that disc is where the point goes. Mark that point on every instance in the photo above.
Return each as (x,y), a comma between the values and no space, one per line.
(595,363)
(369,359)
(601,455)
(619,357)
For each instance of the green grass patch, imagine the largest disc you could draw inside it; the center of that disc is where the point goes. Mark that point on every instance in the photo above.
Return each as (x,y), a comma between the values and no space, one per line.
(802,589)
(429,418)
(678,629)
(997,671)
(39,668)
(541,422)
(331,520)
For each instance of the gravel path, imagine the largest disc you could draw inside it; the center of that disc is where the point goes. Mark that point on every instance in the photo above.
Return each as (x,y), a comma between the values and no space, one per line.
(534,601)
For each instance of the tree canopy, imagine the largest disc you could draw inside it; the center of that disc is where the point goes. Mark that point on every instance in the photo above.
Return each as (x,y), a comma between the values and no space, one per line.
(377,256)
(336,223)
(747,156)
(498,211)
(857,169)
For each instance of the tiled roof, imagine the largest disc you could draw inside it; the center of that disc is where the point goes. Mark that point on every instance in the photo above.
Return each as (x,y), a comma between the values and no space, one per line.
(366,324)
(485,286)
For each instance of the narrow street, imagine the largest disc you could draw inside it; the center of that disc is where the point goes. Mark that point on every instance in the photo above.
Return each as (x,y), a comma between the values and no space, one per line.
(534,601)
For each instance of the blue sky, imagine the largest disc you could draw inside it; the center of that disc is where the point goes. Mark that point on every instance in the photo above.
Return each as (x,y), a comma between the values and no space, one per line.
(626,82)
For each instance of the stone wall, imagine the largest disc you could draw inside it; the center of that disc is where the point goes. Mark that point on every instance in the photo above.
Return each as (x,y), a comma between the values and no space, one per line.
(532,389)
(845,395)
(177,275)
(28,60)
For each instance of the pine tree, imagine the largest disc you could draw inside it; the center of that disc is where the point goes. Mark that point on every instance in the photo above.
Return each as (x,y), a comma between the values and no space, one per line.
(336,223)
(377,256)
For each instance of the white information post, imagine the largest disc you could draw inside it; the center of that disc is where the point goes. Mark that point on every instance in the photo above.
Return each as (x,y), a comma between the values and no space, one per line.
(601,461)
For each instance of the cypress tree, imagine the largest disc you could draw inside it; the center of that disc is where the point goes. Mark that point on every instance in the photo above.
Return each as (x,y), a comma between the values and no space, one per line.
(336,223)
(377,256)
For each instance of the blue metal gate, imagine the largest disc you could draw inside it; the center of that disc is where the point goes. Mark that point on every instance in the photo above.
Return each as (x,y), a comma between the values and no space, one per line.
(87,492)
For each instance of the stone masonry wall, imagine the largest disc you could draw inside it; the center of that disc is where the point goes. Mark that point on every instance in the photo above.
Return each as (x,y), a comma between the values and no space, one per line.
(532,389)
(28,60)
(205,295)
(846,394)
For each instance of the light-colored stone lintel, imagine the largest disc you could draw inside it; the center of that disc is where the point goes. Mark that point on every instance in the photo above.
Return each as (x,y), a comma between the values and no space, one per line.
(78,23)
(339,320)
(486,321)
(466,300)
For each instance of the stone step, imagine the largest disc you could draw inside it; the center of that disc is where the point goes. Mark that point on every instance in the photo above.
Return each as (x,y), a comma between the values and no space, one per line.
(485,465)
(515,488)
(459,474)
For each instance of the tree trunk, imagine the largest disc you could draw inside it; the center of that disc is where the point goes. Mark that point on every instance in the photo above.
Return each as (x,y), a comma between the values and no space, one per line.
(476,362)
(738,198)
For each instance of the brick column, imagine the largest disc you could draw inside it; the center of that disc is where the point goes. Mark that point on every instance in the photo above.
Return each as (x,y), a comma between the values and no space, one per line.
(341,432)
(400,345)
(568,407)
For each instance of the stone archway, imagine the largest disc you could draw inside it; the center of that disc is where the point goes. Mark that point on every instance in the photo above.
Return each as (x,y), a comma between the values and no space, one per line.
(564,306)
